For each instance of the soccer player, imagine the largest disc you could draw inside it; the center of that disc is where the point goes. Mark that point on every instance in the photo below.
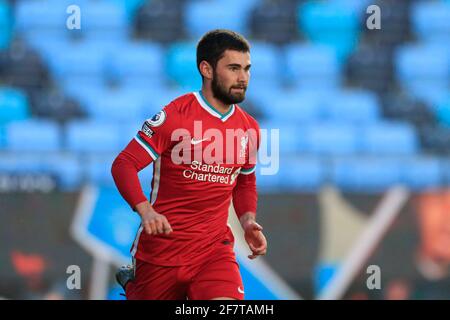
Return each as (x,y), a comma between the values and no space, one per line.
(203,148)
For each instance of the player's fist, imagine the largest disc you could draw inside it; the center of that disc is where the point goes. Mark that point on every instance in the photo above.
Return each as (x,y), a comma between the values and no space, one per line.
(153,222)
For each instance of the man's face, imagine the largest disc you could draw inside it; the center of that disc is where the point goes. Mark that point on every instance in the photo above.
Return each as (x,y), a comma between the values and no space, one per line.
(231,76)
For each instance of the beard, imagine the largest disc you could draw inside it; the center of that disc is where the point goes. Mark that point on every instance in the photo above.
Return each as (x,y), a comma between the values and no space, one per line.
(224,94)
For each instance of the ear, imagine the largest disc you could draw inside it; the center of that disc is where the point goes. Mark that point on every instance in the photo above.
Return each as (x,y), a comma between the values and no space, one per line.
(206,70)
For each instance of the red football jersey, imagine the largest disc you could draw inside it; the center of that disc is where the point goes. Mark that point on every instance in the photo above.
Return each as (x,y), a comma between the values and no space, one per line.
(199,155)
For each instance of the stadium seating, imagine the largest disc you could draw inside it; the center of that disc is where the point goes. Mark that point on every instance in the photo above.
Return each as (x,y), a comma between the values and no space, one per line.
(23,68)
(288,106)
(330,139)
(318,75)
(65,168)
(98,169)
(306,174)
(443,112)
(117,105)
(421,174)
(141,60)
(33,135)
(208,15)
(421,68)
(264,61)
(181,66)
(5,25)
(313,66)
(330,23)
(352,106)
(274,23)
(389,138)
(435,139)
(404,108)
(160,20)
(13,105)
(430,21)
(395,23)
(92,136)
(373,174)
(370,67)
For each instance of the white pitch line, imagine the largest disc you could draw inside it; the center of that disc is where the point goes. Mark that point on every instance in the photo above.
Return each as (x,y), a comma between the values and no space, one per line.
(378,223)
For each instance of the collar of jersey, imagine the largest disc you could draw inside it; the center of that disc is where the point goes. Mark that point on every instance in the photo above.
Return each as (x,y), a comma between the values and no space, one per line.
(213,111)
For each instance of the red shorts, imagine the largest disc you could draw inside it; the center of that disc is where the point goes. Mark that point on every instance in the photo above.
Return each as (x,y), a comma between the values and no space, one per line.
(218,276)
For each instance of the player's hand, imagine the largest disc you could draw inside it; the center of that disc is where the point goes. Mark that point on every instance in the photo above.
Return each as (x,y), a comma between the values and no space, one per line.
(153,222)
(254,237)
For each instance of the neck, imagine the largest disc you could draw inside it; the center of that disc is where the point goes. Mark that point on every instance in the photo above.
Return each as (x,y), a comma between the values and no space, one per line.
(216,103)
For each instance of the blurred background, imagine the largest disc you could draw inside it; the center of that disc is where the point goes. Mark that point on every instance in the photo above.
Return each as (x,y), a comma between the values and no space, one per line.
(364,119)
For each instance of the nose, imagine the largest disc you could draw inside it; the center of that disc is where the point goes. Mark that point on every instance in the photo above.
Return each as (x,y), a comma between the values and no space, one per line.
(243,76)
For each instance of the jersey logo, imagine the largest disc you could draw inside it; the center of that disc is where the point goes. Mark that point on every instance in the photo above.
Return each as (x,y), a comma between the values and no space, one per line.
(240,290)
(157,120)
(147,130)
(244,142)
(197,141)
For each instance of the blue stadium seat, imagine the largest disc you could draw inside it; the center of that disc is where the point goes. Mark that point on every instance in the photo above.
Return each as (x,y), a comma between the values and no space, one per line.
(421,174)
(313,66)
(98,169)
(389,138)
(420,67)
(264,60)
(267,183)
(431,20)
(357,6)
(33,135)
(361,174)
(202,16)
(181,65)
(446,171)
(2,137)
(279,135)
(80,58)
(117,105)
(330,139)
(92,136)
(84,89)
(131,6)
(301,174)
(64,167)
(13,105)
(41,14)
(139,59)
(5,25)
(443,111)
(356,106)
(331,24)
(105,20)
(291,106)
(68,170)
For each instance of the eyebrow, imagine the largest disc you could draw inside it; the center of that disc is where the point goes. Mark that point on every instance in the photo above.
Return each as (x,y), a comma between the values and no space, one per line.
(238,65)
